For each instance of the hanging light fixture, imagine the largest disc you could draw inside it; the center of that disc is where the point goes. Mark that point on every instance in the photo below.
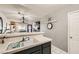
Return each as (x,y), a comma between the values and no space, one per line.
(23,18)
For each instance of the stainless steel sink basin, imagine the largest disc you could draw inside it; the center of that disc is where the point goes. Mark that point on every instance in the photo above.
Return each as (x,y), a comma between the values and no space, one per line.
(13,45)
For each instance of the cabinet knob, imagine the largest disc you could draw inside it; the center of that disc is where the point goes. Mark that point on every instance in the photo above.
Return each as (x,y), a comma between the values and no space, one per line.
(70,37)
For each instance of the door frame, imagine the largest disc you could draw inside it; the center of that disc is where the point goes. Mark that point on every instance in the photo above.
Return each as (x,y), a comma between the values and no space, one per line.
(69,13)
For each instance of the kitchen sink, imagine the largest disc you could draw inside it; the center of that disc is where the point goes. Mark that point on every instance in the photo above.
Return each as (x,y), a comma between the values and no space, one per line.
(13,45)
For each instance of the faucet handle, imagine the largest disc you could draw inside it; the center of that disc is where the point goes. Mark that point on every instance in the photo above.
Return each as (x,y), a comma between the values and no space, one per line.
(3,39)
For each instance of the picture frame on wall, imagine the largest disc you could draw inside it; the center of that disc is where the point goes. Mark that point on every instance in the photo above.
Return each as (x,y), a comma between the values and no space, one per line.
(36,26)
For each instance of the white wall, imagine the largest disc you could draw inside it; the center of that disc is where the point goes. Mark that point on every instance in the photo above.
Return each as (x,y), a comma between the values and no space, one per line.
(60,31)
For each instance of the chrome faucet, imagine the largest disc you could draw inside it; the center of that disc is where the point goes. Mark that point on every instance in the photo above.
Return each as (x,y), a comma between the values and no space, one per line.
(24,39)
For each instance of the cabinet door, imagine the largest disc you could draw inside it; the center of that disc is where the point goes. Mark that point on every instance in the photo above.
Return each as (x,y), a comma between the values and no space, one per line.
(46,50)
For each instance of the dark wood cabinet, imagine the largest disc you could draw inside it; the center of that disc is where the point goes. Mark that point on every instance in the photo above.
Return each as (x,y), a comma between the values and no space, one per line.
(41,49)
(46,48)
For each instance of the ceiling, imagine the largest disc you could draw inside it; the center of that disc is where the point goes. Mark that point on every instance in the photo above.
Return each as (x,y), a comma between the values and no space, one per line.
(11,10)
(43,9)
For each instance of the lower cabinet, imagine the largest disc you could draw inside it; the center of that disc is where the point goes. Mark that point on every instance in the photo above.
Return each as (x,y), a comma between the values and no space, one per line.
(41,49)
(46,50)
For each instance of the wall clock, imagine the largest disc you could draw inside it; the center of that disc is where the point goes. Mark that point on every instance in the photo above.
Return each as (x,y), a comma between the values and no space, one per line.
(50,26)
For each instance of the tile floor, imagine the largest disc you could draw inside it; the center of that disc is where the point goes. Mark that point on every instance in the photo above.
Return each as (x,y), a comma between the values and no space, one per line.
(56,50)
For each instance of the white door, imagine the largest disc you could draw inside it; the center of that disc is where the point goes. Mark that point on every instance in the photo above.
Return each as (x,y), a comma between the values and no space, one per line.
(73,32)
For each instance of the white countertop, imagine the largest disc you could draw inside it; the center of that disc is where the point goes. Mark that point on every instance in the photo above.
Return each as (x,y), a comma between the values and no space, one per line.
(38,39)
(20,34)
